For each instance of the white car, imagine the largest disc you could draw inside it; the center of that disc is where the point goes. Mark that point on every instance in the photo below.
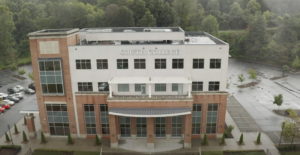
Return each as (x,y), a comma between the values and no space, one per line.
(19,95)
(29,91)
(20,87)
(9,102)
(3,95)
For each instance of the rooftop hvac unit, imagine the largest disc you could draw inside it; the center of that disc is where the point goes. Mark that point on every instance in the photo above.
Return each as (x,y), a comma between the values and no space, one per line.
(99,30)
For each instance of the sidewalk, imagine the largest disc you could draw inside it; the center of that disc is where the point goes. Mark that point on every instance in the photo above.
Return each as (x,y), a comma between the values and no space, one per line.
(139,145)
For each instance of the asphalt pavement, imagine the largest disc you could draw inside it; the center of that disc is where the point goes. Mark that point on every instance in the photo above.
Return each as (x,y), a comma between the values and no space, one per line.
(12,115)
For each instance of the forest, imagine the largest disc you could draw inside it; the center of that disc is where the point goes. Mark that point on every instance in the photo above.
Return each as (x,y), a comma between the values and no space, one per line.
(257,30)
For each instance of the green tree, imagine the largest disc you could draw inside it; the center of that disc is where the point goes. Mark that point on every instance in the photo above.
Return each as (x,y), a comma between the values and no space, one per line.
(230,128)
(24,137)
(250,11)
(125,17)
(241,139)
(241,78)
(285,68)
(97,142)
(22,71)
(210,25)
(30,75)
(13,67)
(236,13)
(204,140)
(111,15)
(139,9)
(213,8)
(43,139)
(291,129)
(258,139)
(16,129)
(70,140)
(197,16)
(147,21)
(252,74)
(296,63)
(166,17)
(182,11)
(278,100)
(223,139)
(6,137)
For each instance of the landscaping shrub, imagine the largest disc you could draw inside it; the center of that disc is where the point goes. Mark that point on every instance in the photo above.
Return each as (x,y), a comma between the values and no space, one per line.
(97,142)
(25,121)
(70,140)
(230,128)
(241,139)
(43,140)
(204,140)
(223,139)
(225,133)
(6,137)
(16,129)
(24,137)
(288,110)
(258,139)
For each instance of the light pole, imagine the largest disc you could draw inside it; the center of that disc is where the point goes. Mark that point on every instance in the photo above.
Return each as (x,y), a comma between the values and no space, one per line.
(283,123)
(12,142)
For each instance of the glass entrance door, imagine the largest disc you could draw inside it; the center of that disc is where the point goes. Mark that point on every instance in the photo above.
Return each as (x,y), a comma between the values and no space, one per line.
(141,127)
(143,88)
(176,126)
(160,127)
(180,89)
(125,126)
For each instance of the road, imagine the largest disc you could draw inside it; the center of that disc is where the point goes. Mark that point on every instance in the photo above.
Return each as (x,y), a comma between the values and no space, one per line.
(12,116)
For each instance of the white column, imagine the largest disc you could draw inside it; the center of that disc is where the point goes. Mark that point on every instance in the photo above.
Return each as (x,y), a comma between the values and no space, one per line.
(189,90)
(149,90)
(110,91)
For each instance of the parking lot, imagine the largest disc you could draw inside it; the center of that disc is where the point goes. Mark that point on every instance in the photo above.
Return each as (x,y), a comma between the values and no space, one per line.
(12,115)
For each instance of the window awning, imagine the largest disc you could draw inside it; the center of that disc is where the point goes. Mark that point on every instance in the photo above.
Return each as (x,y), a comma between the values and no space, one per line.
(133,80)
(129,80)
(170,80)
(149,112)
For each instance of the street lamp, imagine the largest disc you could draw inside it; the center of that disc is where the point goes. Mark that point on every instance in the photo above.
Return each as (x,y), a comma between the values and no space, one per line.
(10,136)
(283,123)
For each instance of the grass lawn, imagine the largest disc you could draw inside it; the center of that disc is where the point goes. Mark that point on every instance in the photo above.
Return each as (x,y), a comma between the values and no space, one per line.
(24,60)
(245,152)
(291,153)
(86,153)
(61,152)
(212,153)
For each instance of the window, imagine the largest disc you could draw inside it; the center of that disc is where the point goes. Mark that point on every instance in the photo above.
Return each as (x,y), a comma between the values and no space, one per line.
(197,86)
(198,63)
(83,64)
(215,63)
(160,63)
(85,86)
(138,87)
(160,127)
(122,63)
(57,115)
(174,86)
(49,47)
(177,64)
(51,77)
(160,87)
(90,120)
(125,126)
(139,63)
(214,86)
(176,126)
(102,64)
(104,119)
(103,86)
(212,116)
(123,87)
(141,127)
(196,121)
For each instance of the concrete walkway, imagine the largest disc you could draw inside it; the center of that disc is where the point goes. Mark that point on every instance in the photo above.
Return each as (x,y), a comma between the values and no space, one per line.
(129,146)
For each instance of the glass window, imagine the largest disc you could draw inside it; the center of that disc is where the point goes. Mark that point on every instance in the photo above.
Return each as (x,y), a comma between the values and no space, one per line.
(104,119)
(83,64)
(141,127)
(123,87)
(138,87)
(160,87)
(174,86)
(197,86)
(212,117)
(176,129)
(214,86)
(103,86)
(58,120)
(51,77)
(102,64)
(90,119)
(215,63)
(85,86)
(198,63)
(160,63)
(177,64)
(197,116)
(122,63)
(139,63)
(125,126)
(160,127)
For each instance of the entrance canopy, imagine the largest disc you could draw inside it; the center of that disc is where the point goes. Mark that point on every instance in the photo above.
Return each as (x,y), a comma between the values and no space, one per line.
(31,107)
(132,80)
(149,112)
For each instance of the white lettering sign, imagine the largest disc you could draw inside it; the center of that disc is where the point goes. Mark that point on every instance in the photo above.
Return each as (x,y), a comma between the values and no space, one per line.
(150,52)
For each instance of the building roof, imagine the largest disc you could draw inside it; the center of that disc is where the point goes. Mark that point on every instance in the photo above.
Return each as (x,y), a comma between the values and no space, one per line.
(53,32)
(150,112)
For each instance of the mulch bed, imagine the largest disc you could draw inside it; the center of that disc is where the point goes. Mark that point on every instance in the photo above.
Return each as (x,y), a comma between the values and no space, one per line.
(284,113)
(8,151)
(19,77)
(229,135)
(257,143)
(278,77)
(239,143)
(248,85)
(25,142)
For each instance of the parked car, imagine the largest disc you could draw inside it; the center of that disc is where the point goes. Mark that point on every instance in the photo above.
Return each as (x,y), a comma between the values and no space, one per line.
(13,90)
(103,86)
(5,105)
(3,95)
(13,98)
(11,103)
(31,86)
(29,91)
(0,84)
(2,109)
(19,87)
(18,95)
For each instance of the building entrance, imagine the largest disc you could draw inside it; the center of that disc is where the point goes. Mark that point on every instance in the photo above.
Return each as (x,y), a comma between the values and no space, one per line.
(125,126)
(176,126)
(160,127)
(141,127)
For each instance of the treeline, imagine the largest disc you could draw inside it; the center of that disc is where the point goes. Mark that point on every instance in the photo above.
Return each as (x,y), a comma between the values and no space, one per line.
(279,45)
